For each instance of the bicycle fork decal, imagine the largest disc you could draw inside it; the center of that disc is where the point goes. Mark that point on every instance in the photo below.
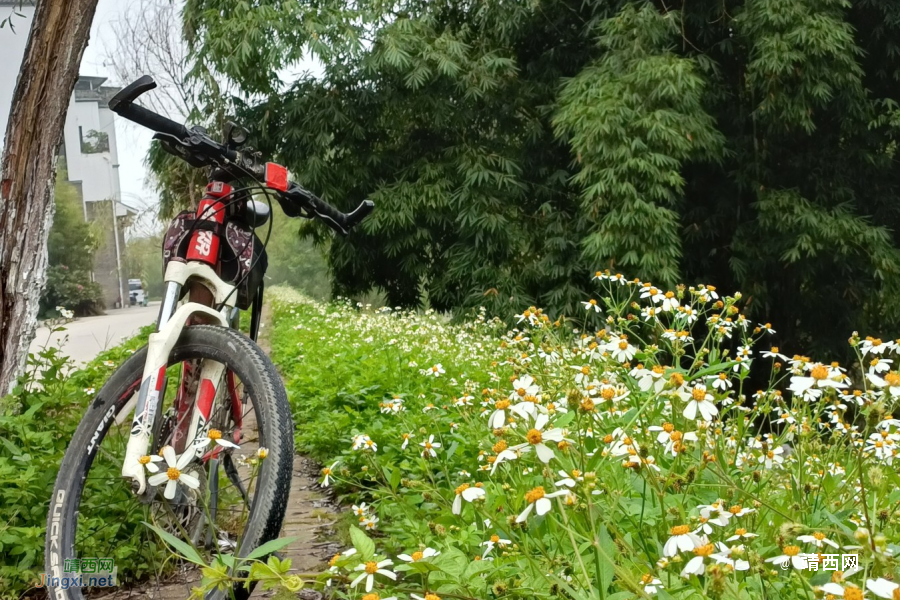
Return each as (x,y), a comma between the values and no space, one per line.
(148,402)
(211,375)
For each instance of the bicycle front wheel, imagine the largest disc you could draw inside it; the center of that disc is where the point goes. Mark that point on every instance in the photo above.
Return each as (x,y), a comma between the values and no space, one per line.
(235,501)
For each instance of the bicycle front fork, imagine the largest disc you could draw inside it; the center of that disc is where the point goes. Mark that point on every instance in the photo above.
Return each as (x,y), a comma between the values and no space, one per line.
(170,324)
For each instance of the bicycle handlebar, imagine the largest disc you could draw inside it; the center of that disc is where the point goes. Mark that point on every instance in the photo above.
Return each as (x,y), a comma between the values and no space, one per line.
(293,198)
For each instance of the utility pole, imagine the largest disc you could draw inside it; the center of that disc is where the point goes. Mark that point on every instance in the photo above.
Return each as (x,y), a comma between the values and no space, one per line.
(115,192)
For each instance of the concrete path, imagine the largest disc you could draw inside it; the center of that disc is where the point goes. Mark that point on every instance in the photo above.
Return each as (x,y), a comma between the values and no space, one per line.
(86,337)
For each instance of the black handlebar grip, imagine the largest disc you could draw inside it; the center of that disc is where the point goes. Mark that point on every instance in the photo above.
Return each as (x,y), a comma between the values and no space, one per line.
(130,92)
(332,216)
(362,211)
(123,105)
(340,222)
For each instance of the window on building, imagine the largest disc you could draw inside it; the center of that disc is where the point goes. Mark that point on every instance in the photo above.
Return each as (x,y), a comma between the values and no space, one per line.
(93,141)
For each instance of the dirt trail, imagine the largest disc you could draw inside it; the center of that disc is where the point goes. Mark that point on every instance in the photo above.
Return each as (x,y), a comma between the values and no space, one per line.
(310,513)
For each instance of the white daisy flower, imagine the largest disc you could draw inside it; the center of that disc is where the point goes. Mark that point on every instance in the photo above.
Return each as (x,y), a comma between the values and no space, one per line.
(848,591)
(419,555)
(882,587)
(435,371)
(697,565)
(791,557)
(495,540)
(214,435)
(327,472)
(536,437)
(150,462)
(429,447)
(699,400)
(467,492)
(539,501)
(818,539)
(591,305)
(731,556)
(370,569)
(681,540)
(174,473)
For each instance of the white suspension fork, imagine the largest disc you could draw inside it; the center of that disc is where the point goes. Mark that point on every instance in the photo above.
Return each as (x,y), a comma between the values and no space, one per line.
(170,324)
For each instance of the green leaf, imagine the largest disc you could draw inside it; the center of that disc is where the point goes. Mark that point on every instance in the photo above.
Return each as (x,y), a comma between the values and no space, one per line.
(607,566)
(180,546)
(270,547)
(363,544)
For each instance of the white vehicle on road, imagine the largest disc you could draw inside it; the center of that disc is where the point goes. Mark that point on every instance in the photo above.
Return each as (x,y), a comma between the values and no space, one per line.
(136,294)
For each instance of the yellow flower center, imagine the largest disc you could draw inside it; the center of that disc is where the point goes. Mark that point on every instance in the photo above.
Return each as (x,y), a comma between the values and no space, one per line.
(432,597)
(501,404)
(144,460)
(587,405)
(371,567)
(585,370)
(576,473)
(495,538)
(646,578)
(819,372)
(668,427)
(608,438)
(675,436)
(819,536)
(735,509)
(893,380)
(533,436)
(215,434)
(499,446)
(679,530)
(853,593)
(326,471)
(593,302)
(372,596)
(462,488)
(623,345)
(791,550)
(534,495)
(698,394)
(740,531)
(521,392)
(676,379)
(262,453)
(704,550)
(608,393)
(416,556)
(173,473)
(334,559)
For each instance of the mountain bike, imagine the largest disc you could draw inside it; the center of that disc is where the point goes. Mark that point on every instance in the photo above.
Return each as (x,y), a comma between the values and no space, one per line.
(164,442)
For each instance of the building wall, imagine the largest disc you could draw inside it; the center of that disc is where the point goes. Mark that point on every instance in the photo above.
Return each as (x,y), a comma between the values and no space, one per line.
(99,178)
(105,272)
(12,49)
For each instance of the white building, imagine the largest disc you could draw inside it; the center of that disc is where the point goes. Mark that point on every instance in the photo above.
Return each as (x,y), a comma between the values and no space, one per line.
(88,145)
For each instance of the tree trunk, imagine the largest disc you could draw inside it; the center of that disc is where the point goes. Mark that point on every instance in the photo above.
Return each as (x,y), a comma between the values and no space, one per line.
(58,36)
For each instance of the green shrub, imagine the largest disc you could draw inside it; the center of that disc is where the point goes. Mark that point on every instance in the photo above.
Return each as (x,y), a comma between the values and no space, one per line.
(36,424)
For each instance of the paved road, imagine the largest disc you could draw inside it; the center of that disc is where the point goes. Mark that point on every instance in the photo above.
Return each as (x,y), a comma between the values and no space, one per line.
(86,337)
